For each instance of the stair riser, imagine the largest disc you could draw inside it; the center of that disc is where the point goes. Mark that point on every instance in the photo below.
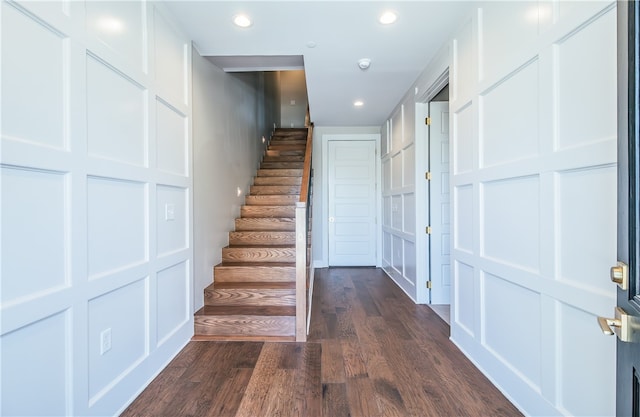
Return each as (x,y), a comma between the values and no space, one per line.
(262,238)
(223,274)
(245,325)
(271,200)
(284,158)
(277,152)
(265,224)
(283,147)
(282,165)
(274,189)
(277,181)
(288,141)
(289,132)
(246,297)
(258,255)
(280,173)
(268,211)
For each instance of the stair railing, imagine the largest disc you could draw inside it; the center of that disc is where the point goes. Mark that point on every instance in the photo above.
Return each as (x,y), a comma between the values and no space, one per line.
(304,269)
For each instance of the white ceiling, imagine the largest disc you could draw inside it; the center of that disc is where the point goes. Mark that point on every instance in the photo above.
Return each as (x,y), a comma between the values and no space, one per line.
(343,32)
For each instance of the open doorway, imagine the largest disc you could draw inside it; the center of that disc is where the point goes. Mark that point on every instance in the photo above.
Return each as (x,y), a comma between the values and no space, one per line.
(438,198)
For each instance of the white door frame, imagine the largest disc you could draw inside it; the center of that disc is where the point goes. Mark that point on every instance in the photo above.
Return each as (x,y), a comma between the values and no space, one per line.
(325,188)
(422,186)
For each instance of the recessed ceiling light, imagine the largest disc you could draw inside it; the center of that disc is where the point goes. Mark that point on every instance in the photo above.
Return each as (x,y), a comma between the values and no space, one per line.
(388,17)
(358,103)
(242,21)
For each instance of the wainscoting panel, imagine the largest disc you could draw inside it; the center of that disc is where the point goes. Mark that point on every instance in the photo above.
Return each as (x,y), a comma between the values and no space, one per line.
(583,121)
(580,215)
(116,111)
(173,300)
(172,217)
(171,62)
(106,22)
(510,211)
(49,342)
(463,122)
(520,20)
(464,295)
(463,218)
(503,110)
(585,398)
(172,139)
(518,309)
(38,88)
(121,317)
(117,225)
(47,202)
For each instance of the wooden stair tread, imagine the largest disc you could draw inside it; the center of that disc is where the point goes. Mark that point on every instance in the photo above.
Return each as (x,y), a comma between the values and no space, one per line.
(264,233)
(261,246)
(257,265)
(283,158)
(261,237)
(247,310)
(277,181)
(268,211)
(252,285)
(279,172)
(271,200)
(275,190)
(265,223)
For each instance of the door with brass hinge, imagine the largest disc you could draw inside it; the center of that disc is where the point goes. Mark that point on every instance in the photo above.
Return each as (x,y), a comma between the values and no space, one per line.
(437,177)
(625,323)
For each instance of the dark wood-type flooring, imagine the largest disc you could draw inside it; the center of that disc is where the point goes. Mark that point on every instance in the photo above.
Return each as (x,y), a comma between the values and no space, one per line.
(371,352)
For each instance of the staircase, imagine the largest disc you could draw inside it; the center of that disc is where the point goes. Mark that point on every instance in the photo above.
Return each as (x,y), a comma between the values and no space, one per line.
(253,296)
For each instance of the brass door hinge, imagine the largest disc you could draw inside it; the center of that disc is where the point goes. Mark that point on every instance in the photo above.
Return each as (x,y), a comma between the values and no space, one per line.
(427,121)
(428,230)
(427,176)
(429,284)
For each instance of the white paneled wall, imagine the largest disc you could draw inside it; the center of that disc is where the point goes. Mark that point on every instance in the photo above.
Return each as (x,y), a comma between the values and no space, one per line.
(534,201)
(405,159)
(399,198)
(96,187)
(533,192)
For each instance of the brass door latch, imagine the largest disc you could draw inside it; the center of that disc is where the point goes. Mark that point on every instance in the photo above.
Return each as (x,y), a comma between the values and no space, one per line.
(623,325)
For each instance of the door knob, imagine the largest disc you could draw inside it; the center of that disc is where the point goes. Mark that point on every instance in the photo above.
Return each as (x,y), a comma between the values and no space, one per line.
(620,275)
(623,325)
(332,219)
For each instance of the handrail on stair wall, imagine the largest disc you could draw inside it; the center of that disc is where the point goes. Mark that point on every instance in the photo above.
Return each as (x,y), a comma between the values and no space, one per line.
(304,269)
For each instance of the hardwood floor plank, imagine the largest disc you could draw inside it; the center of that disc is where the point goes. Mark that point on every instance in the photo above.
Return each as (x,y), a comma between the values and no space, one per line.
(308,384)
(334,400)
(227,397)
(332,369)
(388,397)
(361,398)
(354,365)
(254,400)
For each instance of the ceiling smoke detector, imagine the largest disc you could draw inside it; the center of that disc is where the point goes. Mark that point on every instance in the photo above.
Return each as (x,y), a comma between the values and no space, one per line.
(364,63)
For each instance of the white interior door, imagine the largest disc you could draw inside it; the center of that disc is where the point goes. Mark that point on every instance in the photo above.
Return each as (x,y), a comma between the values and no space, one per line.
(352,203)
(439,253)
